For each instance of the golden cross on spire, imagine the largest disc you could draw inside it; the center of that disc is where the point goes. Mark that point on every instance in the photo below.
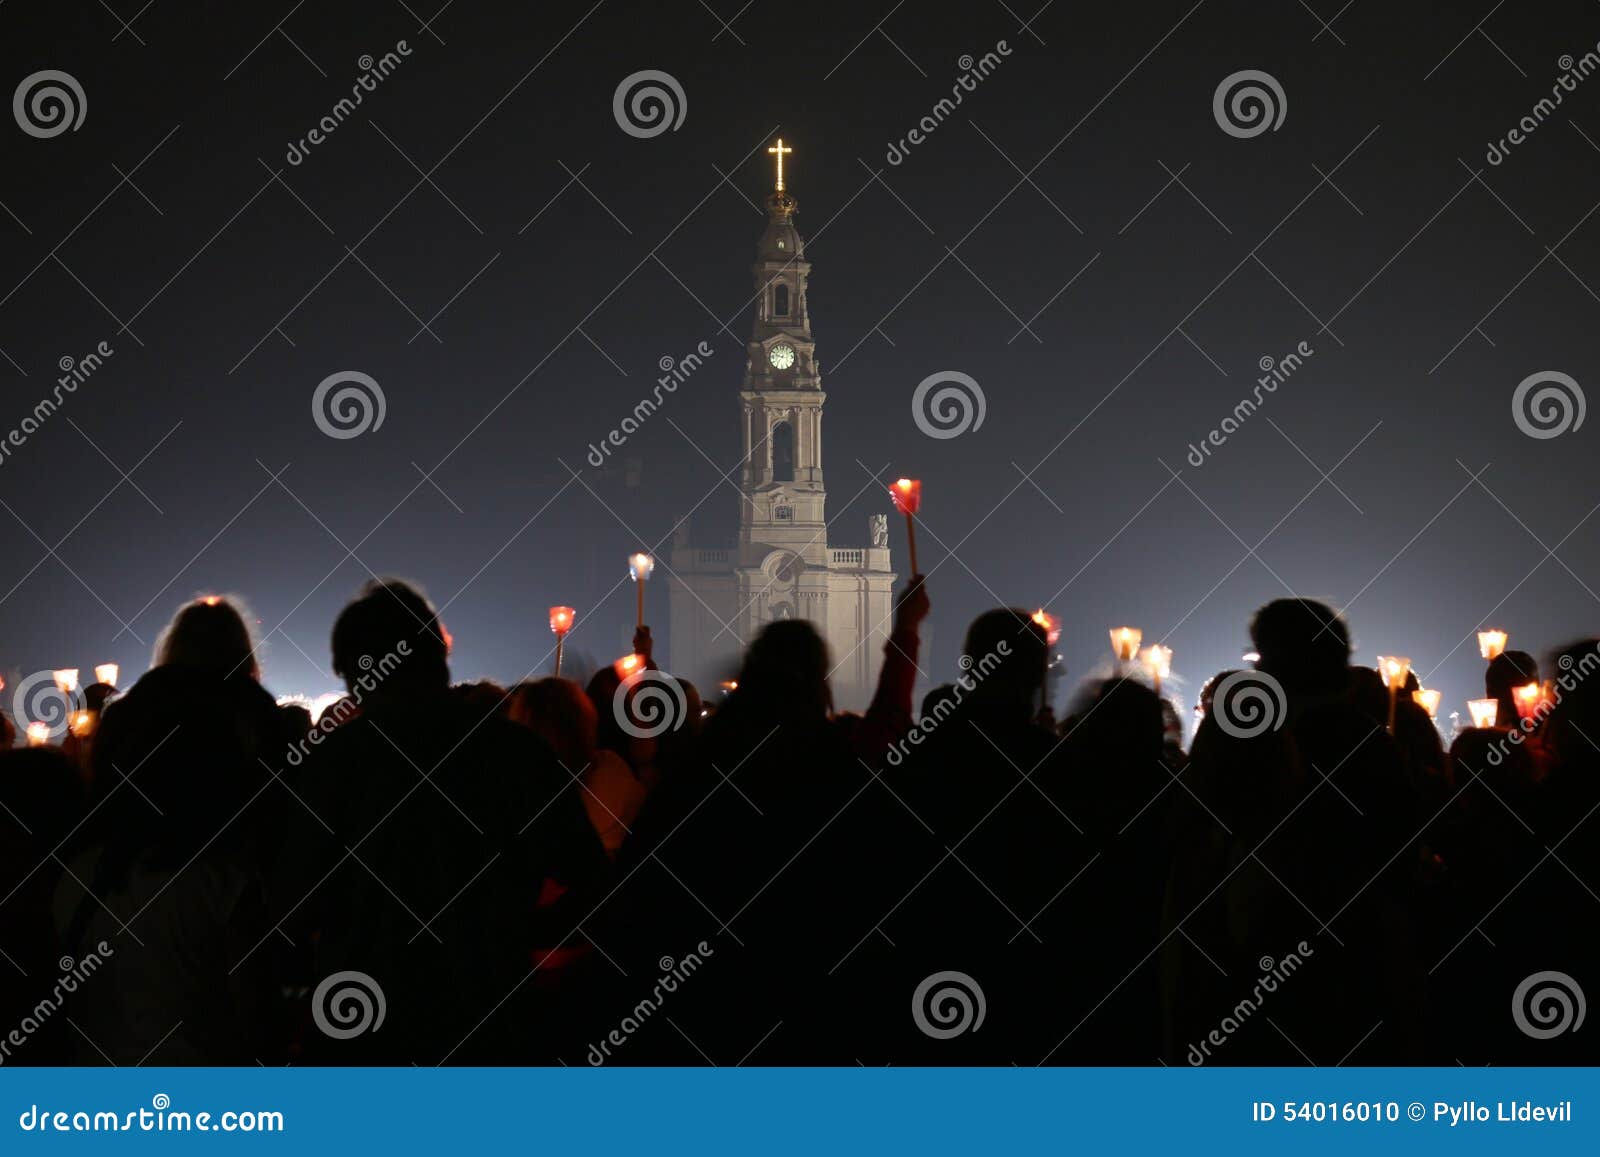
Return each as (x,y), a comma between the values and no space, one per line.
(778,150)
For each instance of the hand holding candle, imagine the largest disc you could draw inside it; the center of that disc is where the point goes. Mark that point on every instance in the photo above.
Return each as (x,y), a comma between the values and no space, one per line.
(907,496)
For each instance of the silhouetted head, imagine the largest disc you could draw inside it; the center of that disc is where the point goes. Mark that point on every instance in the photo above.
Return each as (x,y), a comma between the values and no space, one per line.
(209,635)
(1004,658)
(296,721)
(1209,689)
(558,712)
(1574,723)
(390,640)
(1506,672)
(1303,644)
(1117,716)
(786,669)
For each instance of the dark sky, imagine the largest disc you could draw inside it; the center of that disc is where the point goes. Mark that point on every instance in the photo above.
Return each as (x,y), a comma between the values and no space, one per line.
(202,253)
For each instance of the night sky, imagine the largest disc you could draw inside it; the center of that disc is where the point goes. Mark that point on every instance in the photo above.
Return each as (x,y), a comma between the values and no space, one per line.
(487,190)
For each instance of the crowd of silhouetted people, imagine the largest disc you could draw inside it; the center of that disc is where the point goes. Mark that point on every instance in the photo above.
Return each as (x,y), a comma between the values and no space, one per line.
(628,872)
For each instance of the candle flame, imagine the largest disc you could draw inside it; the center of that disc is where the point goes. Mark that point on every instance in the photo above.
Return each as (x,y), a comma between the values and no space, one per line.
(1395,669)
(640,566)
(1527,698)
(38,734)
(1427,699)
(107,673)
(1051,625)
(1158,660)
(907,495)
(628,666)
(1484,711)
(1492,644)
(561,619)
(1125,642)
(66,679)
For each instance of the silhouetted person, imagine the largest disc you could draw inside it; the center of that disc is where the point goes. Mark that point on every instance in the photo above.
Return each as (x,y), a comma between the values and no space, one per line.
(429,830)
(1506,672)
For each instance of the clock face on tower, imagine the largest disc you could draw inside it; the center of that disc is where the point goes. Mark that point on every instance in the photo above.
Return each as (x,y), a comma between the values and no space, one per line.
(781,356)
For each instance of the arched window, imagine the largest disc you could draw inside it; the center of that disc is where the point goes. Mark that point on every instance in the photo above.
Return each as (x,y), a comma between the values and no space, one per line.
(780,301)
(783,452)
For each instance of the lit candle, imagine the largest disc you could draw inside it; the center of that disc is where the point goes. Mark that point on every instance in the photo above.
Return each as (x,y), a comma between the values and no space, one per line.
(1484,711)
(628,666)
(639,567)
(1394,669)
(560,624)
(1492,644)
(729,686)
(82,724)
(107,673)
(212,600)
(1427,699)
(66,679)
(1527,699)
(1158,661)
(1051,625)
(1125,642)
(38,734)
(907,496)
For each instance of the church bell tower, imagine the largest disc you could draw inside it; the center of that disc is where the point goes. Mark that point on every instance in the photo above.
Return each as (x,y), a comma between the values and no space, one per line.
(781,564)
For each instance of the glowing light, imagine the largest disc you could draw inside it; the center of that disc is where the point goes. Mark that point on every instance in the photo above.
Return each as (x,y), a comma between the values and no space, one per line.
(107,673)
(1484,711)
(778,150)
(1125,642)
(729,686)
(1158,661)
(66,679)
(640,566)
(1492,644)
(1427,699)
(1527,698)
(1395,669)
(907,495)
(81,724)
(561,619)
(1051,625)
(322,702)
(628,666)
(1250,657)
(38,734)
(212,600)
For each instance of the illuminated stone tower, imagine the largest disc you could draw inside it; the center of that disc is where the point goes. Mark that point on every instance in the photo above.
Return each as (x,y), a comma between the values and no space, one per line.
(782,565)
